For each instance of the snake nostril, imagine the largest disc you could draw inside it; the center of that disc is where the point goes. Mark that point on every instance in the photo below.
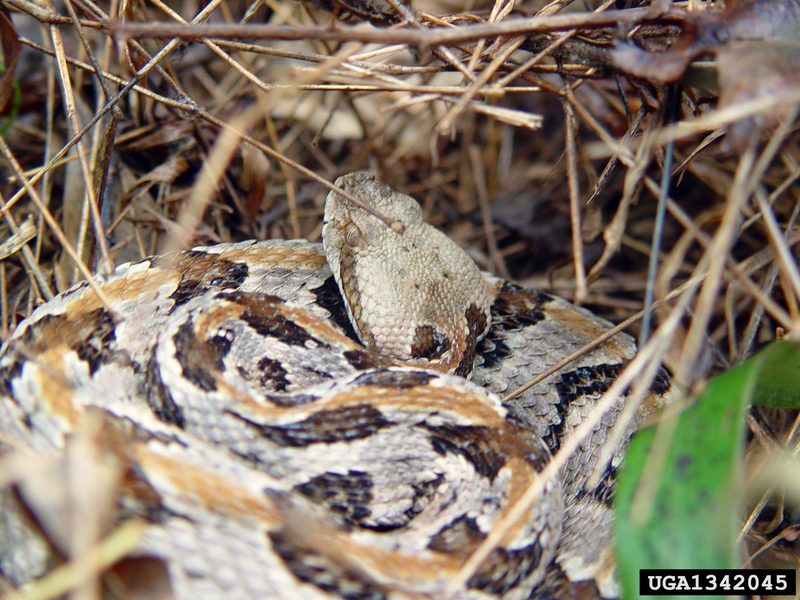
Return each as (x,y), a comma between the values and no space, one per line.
(352,235)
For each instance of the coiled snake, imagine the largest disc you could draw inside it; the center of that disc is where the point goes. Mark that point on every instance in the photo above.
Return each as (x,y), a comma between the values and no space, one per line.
(290,425)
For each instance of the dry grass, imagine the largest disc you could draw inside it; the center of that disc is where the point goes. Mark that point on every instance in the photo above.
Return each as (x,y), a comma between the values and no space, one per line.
(549,172)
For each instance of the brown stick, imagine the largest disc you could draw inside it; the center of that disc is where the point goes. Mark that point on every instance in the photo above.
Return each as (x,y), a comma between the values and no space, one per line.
(415,37)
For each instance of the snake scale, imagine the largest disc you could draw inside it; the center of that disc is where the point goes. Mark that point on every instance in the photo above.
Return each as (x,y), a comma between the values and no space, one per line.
(292,420)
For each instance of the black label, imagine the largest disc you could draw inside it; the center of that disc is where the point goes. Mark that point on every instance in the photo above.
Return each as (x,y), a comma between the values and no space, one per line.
(710,582)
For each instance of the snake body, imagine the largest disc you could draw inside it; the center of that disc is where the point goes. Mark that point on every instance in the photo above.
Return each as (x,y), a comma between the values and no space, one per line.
(289,420)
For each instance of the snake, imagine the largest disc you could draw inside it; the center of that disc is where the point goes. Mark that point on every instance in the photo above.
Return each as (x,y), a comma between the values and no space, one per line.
(288,419)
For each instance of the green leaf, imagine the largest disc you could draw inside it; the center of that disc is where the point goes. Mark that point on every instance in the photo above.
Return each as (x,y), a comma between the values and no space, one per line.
(778,384)
(677,497)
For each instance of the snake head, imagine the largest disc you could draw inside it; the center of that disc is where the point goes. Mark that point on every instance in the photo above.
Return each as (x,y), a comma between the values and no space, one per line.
(412,294)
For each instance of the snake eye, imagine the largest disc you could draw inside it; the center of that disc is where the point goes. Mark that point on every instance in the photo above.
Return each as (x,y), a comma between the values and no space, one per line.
(352,235)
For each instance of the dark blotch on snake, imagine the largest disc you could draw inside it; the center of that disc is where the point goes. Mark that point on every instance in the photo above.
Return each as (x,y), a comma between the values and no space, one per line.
(272,374)
(429,343)
(346,495)
(323,571)
(202,272)
(476,324)
(273,324)
(460,536)
(583,381)
(159,397)
(263,313)
(330,298)
(97,332)
(514,309)
(403,380)
(504,569)
(199,361)
(344,424)
(473,443)
(361,359)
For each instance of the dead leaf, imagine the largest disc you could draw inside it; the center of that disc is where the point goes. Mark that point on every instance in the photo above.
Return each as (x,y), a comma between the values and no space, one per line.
(254,179)
(166,172)
(11,49)
(709,32)
(757,45)
(25,233)
(751,70)
(162,135)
